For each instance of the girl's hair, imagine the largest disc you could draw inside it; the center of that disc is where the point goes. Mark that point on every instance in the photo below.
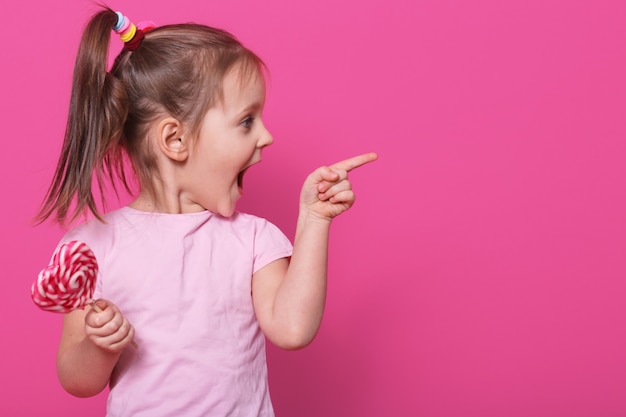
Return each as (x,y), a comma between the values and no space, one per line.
(178,71)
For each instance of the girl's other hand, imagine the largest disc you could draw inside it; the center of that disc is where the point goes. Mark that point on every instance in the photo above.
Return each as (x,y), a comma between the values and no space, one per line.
(327,192)
(108,328)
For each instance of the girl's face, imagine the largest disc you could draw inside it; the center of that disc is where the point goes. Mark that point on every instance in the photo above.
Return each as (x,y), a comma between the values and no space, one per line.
(231,138)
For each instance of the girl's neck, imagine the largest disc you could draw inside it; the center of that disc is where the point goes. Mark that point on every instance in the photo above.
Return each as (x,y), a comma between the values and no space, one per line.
(146,202)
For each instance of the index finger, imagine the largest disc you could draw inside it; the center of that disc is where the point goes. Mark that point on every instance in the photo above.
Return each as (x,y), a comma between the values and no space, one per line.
(355,162)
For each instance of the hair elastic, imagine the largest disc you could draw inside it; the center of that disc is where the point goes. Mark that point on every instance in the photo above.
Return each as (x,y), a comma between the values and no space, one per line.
(131,34)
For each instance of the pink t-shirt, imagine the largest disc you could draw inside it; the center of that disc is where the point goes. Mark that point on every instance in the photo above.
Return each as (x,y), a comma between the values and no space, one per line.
(184,282)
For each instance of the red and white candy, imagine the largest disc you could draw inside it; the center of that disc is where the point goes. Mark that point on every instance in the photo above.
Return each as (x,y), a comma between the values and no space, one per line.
(69,281)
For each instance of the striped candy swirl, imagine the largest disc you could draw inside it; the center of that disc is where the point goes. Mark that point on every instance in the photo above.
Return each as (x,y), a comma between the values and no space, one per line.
(69,281)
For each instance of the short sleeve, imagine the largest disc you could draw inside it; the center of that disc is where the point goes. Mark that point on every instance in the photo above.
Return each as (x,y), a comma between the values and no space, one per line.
(270,244)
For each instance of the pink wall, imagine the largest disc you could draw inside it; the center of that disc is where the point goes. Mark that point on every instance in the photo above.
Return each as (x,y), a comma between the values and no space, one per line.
(481,272)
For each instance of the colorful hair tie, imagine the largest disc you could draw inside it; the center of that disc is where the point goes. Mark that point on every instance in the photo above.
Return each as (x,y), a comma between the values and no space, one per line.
(130,34)
(120,20)
(146,26)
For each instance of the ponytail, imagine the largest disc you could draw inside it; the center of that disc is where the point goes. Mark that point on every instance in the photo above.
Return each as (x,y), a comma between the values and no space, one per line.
(178,71)
(98,110)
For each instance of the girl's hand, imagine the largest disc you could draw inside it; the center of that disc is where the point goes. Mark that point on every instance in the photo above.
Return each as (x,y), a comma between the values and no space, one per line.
(108,329)
(327,192)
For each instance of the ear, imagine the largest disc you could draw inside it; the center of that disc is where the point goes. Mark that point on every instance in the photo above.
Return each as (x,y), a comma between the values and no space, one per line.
(170,139)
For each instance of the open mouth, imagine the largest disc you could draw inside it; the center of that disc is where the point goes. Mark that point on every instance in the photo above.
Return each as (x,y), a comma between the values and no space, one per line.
(242,173)
(240,178)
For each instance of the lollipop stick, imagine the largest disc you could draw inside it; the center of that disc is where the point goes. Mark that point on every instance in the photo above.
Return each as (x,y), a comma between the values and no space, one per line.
(99,310)
(95,307)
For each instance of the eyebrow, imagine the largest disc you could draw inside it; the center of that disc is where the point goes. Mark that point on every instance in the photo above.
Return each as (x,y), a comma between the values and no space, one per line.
(251,108)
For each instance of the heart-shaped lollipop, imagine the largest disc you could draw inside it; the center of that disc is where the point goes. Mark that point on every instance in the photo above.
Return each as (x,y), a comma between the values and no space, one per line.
(69,281)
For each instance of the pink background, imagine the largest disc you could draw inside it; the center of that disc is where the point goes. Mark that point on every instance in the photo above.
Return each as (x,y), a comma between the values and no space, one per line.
(482,270)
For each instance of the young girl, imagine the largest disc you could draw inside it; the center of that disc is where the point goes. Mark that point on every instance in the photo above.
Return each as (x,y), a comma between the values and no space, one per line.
(188,287)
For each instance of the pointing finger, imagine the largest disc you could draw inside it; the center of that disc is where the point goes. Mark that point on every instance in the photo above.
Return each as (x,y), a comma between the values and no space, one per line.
(355,162)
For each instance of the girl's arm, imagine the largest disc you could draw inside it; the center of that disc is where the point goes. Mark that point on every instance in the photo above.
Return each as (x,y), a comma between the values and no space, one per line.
(91,344)
(289,297)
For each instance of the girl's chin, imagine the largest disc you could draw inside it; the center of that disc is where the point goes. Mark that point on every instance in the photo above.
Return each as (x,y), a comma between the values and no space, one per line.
(226,211)
(228,208)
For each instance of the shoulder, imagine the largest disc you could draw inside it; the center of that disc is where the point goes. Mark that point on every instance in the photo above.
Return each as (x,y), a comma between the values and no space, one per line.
(99,235)
(265,233)
(95,226)
(252,222)
(245,218)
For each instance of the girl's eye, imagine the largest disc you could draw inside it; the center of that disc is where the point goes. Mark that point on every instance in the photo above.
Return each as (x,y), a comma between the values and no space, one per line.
(247,122)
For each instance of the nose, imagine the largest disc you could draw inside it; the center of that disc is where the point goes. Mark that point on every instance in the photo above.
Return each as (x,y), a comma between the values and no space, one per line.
(265,138)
